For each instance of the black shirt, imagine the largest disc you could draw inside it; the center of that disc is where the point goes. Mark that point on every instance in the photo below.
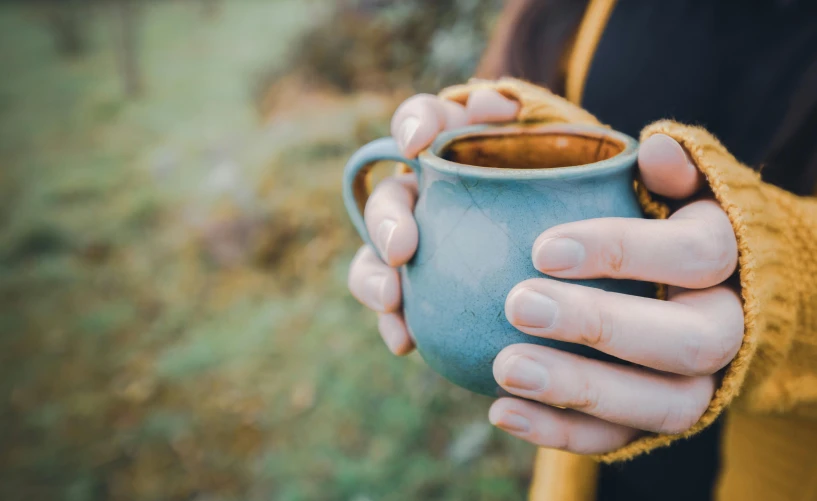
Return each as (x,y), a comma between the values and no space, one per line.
(734,67)
(740,69)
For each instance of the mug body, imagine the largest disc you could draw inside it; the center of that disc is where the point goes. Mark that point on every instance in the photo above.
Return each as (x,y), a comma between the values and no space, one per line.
(477,226)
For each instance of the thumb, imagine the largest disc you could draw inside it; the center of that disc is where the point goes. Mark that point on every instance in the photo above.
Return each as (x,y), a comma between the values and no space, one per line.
(666,169)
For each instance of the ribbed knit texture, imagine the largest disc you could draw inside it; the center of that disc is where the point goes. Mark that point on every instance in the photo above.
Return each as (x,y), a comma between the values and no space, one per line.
(765,458)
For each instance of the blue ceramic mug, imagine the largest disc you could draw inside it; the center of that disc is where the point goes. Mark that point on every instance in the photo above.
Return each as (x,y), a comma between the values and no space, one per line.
(485,194)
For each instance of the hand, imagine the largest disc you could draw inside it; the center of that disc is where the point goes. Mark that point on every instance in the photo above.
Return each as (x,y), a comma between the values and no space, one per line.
(594,407)
(679,344)
(388,212)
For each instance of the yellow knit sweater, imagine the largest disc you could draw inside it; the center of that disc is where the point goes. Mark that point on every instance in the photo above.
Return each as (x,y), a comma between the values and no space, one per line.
(770,388)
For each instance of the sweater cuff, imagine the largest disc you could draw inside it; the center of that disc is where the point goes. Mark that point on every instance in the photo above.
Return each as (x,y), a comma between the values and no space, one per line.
(738,190)
(537,104)
(773,276)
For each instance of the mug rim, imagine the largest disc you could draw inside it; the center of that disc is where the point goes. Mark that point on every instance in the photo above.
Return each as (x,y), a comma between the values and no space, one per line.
(624,160)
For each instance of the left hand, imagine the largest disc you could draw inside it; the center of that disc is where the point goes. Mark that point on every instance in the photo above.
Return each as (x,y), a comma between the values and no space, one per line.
(678,345)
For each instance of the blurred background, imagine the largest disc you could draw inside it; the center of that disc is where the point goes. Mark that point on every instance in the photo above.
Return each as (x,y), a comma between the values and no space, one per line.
(174,320)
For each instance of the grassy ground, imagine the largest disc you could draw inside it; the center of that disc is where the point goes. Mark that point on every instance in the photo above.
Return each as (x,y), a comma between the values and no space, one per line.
(173,310)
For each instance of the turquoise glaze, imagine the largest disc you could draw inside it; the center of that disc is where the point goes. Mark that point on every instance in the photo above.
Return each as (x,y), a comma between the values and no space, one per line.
(476,229)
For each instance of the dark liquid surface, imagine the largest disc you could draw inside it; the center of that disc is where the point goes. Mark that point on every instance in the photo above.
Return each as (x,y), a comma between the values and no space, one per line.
(531,151)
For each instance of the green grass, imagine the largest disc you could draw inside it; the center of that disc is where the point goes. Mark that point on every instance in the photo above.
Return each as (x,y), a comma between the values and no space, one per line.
(140,358)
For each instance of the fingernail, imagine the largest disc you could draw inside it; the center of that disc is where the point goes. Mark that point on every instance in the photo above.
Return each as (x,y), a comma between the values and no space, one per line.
(512,422)
(375,290)
(406,132)
(556,254)
(529,308)
(663,150)
(522,373)
(385,232)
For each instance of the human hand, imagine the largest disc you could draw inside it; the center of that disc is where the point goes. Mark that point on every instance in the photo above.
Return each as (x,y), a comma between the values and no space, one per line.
(375,282)
(678,345)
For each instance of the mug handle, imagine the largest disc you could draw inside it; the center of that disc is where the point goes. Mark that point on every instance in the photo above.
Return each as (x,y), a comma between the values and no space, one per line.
(355,189)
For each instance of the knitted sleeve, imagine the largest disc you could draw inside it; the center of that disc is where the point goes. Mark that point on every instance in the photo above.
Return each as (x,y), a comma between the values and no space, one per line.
(775,370)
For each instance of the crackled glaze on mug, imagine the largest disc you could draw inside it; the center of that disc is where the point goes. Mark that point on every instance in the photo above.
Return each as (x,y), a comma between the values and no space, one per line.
(477,226)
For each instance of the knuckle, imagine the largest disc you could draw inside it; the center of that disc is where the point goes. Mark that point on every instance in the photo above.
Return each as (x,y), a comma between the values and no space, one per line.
(586,398)
(599,331)
(375,202)
(682,414)
(614,255)
(713,249)
(388,199)
(706,352)
(725,253)
(678,419)
(579,441)
(562,440)
(354,283)
(478,95)
(356,266)
(425,107)
(558,436)
(384,188)
(698,243)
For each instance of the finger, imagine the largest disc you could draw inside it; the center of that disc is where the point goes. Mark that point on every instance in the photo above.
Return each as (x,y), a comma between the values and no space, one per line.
(449,115)
(486,105)
(390,220)
(667,169)
(696,333)
(417,121)
(373,283)
(627,395)
(561,429)
(393,330)
(455,115)
(694,248)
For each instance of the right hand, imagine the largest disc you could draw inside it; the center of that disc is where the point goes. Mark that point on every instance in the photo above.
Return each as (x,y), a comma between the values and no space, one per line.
(389,217)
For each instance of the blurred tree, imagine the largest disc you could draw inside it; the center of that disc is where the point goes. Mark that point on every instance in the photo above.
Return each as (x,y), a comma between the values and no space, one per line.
(380,45)
(138,361)
(128,20)
(66,20)
(210,9)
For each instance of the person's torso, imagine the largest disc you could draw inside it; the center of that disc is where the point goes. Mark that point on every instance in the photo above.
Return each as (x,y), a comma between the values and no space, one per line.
(737,68)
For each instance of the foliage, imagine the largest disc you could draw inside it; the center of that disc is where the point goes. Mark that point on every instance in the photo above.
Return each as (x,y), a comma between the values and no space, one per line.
(383,45)
(174,317)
